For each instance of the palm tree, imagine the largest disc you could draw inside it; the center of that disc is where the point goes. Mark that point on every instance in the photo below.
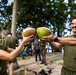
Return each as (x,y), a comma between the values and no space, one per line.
(14,18)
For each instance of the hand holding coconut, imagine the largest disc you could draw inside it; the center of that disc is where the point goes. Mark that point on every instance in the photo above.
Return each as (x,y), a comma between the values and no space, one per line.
(28,39)
(43,31)
(28,34)
(45,34)
(49,38)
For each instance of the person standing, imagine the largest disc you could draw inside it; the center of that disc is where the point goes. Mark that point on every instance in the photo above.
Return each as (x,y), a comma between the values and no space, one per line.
(11,42)
(37,49)
(9,54)
(43,52)
(69,45)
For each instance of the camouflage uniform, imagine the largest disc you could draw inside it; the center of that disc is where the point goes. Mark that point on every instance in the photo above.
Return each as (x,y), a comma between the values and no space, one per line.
(12,42)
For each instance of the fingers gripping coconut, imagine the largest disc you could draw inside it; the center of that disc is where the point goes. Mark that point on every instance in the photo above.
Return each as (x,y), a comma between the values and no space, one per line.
(43,31)
(38,33)
(29,32)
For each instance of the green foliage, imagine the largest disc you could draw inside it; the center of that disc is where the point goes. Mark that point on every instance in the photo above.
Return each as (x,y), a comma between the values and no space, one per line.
(36,13)
(42,13)
(4,1)
(5,14)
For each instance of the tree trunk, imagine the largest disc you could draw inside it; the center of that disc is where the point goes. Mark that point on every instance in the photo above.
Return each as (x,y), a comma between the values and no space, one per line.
(14,18)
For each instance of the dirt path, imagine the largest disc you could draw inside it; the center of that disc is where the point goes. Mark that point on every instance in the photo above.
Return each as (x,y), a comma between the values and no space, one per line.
(54,60)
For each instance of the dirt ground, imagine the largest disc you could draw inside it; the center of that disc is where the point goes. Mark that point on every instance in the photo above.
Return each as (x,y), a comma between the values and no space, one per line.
(30,67)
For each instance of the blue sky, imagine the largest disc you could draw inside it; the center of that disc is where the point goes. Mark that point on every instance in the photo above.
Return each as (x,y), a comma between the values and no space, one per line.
(9,1)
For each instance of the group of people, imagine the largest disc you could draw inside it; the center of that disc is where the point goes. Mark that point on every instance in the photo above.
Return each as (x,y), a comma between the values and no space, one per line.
(69,44)
(11,42)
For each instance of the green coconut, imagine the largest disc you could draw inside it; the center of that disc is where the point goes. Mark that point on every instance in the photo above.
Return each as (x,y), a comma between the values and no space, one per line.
(43,31)
(28,31)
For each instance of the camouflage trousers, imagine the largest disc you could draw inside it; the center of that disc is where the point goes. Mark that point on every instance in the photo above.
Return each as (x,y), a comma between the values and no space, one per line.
(65,71)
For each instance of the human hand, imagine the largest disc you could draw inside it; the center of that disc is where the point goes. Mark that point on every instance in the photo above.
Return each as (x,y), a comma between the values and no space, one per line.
(49,38)
(28,39)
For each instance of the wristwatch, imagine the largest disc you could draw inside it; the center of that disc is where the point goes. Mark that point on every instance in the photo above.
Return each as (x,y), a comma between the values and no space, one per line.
(56,39)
